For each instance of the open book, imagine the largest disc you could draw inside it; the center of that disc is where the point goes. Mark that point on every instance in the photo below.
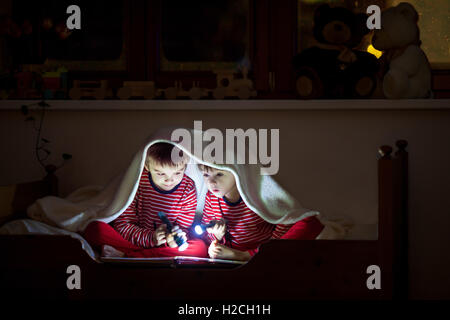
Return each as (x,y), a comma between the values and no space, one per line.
(174,261)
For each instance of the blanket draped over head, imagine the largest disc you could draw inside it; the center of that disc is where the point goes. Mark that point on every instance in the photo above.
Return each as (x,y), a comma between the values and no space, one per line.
(261,193)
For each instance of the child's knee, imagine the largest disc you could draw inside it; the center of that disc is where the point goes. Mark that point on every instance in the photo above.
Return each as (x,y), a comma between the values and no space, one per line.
(305,229)
(94,229)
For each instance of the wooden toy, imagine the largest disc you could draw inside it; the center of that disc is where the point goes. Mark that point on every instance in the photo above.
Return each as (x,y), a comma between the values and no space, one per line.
(90,89)
(172,93)
(145,89)
(228,86)
(196,92)
(177,91)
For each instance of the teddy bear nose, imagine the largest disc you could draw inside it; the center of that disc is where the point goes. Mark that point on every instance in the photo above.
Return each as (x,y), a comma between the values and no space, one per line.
(337,27)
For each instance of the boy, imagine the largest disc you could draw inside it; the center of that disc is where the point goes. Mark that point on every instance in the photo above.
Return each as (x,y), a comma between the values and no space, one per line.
(163,186)
(238,231)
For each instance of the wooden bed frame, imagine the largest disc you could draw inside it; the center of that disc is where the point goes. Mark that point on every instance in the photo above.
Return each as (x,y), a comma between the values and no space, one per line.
(35,266)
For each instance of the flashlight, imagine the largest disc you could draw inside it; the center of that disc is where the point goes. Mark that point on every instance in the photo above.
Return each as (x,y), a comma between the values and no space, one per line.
(181,243)
(200,228)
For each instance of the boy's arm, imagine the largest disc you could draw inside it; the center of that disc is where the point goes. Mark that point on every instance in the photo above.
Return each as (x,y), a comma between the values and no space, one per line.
(280,230)
(126,225)
(235,254)
(207,217)
(243,255)
(220,251)
(186,217)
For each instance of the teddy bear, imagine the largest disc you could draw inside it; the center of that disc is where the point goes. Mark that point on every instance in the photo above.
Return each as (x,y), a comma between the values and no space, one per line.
(406,72)
(332,68)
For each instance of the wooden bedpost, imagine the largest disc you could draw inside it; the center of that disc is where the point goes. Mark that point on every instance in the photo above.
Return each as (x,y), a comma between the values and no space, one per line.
(386,211)
(402,221)
(392,222)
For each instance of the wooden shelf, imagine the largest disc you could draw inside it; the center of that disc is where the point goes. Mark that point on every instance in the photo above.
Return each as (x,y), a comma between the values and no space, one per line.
(232,105)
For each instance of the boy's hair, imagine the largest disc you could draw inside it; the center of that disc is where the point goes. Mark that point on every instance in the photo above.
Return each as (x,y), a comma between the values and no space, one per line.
(161,153)
(205,168)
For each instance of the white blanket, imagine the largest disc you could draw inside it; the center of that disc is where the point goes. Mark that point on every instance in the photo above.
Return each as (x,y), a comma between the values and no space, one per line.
(261,193)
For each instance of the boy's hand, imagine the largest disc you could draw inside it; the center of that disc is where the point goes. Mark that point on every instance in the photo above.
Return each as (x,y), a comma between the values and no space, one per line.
(219,229)
(170,237)
(159,236)
(214,249)
(219,251)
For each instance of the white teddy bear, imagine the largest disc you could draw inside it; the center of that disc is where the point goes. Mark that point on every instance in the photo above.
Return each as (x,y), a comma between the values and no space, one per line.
(408,70)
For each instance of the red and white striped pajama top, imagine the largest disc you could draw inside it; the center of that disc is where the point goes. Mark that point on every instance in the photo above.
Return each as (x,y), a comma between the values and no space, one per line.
(245,229)
(136,223)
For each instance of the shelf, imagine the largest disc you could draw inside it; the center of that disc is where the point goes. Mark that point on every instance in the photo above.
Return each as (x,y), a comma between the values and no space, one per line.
(211,105)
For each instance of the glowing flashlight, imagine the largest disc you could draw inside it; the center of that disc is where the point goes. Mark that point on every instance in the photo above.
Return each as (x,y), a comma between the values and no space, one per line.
(200,228)
(181,243)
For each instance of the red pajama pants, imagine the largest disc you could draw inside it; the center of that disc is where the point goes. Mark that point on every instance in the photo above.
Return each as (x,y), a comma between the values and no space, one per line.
(98,233)
(305,229)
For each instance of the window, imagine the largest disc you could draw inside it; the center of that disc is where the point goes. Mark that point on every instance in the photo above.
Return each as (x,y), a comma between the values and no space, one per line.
(434,24)
(201,35)
(99,45)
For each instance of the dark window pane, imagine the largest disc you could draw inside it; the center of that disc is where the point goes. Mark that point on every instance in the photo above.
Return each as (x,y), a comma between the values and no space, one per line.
(100,37)
(203,32)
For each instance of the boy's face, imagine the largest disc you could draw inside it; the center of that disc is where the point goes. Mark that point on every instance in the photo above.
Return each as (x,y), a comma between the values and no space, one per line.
(221,183)
(165,177)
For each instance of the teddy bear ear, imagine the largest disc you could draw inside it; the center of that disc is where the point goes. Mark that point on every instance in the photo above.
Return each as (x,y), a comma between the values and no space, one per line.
(320,11)
(408,11)
(361,23)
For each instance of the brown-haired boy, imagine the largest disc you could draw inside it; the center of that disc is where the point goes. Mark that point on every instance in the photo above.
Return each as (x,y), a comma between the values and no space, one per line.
(238,231)
(163,186)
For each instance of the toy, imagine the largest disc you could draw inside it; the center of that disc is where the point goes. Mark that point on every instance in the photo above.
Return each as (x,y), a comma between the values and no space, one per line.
(406,70)
(227,86)
(174,92)
(90,89)
(27,86)
(55,84)
(177,91)
(145,89)
(332,68)
(24,84)
(196,92)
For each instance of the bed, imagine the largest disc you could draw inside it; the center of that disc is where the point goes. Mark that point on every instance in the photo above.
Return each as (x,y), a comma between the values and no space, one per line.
(322,269)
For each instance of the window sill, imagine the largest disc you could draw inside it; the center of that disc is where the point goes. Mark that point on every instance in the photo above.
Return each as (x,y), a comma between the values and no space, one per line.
(209,105)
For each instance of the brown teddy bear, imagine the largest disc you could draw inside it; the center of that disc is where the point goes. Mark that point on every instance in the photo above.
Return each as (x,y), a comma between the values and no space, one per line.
(332,68)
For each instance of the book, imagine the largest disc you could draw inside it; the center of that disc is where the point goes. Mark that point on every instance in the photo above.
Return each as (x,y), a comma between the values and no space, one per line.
(174,261)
